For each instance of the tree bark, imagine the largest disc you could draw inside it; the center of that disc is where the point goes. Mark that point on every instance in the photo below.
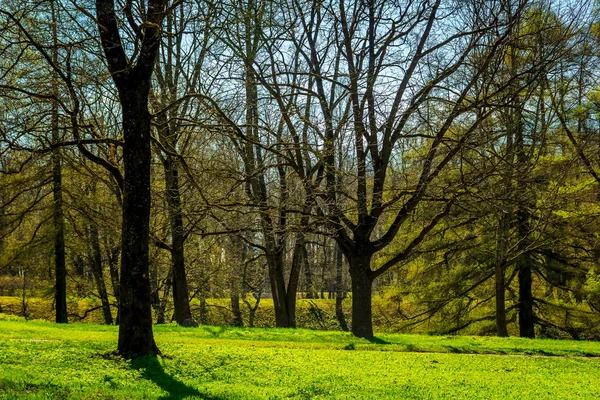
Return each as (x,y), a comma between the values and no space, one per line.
(362,287)
(524,268)
(310,286)
(113,251)
(299,258)
(235,302)
(275,264)
(525,202)
(180,287)
(98,274)
(162,305)
(132,79)
(339,290)
(60,267)
(135,329)
(501,248)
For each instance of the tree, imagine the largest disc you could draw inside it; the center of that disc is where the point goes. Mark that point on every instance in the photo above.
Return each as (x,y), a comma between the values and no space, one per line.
(132,77)
(350,51)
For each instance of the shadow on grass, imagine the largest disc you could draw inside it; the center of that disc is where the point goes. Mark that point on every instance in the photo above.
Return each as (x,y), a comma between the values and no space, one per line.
(152,370)
(376,340)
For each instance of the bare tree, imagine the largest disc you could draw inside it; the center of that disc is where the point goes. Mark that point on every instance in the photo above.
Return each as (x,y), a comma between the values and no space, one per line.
(132,77)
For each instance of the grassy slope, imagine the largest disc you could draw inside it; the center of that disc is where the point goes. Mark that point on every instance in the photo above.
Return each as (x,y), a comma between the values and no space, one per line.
(43,360)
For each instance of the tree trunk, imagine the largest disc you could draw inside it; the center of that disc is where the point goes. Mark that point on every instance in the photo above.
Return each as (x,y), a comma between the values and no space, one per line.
(135,328)
(526,315)
(154,285)
(525,202)
(524,264)
(310,286)
(278,290)
(113,267)
(60,268)
(162,305)
(180,288)
(323,267)
(235,302)
(300,257)
(362,287)
(339,290)
(98,274)
(501,242)
(203,308)
(132,78)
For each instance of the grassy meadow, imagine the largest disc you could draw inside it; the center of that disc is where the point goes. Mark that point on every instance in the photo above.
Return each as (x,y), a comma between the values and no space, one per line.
(41,360)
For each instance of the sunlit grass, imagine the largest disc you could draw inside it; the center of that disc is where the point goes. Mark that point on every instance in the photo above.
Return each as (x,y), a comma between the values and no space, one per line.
(44,360)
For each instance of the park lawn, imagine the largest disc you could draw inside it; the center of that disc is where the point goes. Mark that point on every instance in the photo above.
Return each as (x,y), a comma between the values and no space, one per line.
(40,360)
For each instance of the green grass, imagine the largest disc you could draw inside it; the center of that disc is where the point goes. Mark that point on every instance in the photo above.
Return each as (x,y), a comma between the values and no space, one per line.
(40,360)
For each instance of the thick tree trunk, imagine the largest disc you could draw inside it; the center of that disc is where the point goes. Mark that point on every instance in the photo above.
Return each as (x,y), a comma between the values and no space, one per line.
(180,288)
(132,79)
(135,328)
(98,274)
(362,287)
(339,290)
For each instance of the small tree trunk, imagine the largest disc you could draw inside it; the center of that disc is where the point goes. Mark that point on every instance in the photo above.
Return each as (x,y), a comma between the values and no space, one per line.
(181,300)
(24,311)
(299,258)
(238,280)
(154,285)
(113,268)
(310,286)
(60,268)
(98,274)
(251,314)
(526,315)
(235,302)
(339,290)
(203,309)
(501,329)
(162,305)
(180,288)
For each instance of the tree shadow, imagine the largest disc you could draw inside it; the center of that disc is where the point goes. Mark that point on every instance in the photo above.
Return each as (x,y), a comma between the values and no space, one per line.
(152,370)
(376,340)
